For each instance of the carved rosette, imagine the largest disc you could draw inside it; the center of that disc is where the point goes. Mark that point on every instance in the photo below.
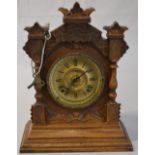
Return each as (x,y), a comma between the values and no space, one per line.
(77,116)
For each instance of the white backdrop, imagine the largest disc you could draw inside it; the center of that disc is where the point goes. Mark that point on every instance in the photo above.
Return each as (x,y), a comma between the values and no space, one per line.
(107,11)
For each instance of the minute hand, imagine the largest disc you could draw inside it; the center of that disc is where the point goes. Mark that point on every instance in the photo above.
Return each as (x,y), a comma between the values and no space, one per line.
(80,76)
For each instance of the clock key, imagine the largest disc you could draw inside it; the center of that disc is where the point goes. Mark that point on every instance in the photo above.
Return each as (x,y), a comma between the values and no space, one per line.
(36,81)
(32,84)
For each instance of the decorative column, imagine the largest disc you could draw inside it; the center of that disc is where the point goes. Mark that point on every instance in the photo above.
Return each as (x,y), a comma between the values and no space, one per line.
(117,47)
(33,48)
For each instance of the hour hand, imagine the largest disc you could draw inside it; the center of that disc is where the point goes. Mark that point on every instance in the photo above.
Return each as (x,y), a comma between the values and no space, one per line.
(80,76)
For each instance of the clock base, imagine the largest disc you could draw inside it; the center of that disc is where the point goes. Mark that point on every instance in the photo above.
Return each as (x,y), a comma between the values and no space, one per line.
(74,137)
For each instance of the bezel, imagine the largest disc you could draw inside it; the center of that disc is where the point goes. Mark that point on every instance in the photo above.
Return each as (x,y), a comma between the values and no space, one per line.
(89,102)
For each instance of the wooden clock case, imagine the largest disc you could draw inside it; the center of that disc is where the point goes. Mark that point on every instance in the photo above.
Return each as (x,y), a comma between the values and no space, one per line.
(54,128)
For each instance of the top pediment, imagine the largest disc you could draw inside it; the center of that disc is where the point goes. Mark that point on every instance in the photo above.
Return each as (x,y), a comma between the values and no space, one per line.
(76,14)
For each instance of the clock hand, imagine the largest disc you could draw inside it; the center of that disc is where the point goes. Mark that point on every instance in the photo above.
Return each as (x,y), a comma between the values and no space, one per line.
(70,85)
(74,80)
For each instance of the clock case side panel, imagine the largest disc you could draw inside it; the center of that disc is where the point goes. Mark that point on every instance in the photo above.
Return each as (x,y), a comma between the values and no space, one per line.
(96,110)
(33,48)
(117,48)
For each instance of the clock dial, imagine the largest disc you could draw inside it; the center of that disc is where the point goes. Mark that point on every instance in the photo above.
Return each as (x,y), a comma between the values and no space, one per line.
(75,81)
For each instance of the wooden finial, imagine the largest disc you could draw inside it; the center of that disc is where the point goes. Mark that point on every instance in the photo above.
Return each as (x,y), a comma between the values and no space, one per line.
(77,14)
(36,28)
(115,30)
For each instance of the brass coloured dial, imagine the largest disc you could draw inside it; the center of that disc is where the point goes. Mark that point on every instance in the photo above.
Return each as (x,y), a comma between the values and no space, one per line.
(75,81)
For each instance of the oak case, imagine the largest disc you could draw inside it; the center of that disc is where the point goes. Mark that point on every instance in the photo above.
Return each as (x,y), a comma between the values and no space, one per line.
(54,128)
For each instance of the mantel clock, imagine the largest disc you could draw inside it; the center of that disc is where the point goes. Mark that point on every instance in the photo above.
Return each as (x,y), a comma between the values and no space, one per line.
(75,81)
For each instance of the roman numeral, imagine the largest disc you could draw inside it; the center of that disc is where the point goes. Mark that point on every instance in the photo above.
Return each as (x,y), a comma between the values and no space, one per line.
(62,88)
(90,70)
(92,79)
(66,92)
(75,94)
(84,93)
(60,71)
(58,80)
(83,65)
(66,65)
(89,88)
(75,61)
